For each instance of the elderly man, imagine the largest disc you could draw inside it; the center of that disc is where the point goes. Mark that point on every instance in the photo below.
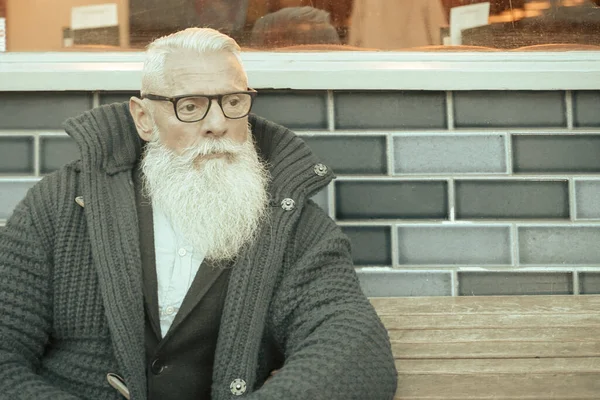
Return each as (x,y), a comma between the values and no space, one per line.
(181,258)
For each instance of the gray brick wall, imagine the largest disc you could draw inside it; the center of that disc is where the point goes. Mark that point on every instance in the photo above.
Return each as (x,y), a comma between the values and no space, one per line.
(466,193)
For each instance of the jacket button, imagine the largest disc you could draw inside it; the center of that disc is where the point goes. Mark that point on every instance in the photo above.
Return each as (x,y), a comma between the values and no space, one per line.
(157,367)
(288,204)
(320,169)
(238,387)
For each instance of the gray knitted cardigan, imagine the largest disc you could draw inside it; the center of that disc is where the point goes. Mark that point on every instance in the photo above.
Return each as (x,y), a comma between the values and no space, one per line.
(71,303)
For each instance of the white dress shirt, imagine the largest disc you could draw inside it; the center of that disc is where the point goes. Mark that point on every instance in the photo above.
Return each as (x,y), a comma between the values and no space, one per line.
(176,266)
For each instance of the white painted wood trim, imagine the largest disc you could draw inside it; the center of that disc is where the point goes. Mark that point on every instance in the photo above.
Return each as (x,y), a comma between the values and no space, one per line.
(574,70)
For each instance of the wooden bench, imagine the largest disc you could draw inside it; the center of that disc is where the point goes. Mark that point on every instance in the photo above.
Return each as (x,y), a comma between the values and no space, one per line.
(505,347)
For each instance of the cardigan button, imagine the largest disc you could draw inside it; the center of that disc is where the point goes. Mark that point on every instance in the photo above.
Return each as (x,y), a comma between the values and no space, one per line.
(320,169)
(238,387)
(288,204)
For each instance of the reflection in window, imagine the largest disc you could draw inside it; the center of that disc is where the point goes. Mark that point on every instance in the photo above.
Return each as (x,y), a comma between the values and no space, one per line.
(292,25)
(539,23)
(389,25)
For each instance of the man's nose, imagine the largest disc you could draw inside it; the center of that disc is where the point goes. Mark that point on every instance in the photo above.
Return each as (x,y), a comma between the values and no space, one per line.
(215,122)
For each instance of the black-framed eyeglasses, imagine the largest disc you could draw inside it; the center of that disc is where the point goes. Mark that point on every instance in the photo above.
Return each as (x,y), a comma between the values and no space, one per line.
(195,107)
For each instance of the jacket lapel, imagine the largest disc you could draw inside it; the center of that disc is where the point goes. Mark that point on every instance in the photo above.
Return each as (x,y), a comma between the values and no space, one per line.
(146,225)
(205,277)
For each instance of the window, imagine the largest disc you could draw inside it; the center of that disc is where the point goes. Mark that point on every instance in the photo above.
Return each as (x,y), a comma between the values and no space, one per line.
(296,25)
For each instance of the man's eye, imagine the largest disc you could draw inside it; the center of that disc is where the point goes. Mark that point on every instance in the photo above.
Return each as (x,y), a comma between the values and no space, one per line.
(188,107)
(234,102)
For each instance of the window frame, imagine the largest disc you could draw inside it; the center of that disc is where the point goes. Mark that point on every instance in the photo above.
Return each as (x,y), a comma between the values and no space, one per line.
(352,70)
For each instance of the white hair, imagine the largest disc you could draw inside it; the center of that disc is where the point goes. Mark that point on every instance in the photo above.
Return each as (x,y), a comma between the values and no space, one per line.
(200,40)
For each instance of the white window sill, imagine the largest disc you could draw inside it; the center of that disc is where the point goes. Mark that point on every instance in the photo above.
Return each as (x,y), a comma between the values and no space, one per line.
(573,70)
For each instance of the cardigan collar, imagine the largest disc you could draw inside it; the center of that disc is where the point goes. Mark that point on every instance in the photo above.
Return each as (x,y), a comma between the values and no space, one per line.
(108,139)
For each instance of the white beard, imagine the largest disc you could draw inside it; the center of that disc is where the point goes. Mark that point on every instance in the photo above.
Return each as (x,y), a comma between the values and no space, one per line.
(217,204)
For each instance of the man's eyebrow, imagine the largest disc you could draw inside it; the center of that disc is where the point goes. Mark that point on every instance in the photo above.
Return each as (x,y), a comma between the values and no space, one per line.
(211,92)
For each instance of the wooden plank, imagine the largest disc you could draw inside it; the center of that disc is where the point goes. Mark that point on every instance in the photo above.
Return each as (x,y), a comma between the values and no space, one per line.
(571,334)
(493,386)
(499,397)
(501,347)
(589,365)
(491,321)
(495,350)
(487,304)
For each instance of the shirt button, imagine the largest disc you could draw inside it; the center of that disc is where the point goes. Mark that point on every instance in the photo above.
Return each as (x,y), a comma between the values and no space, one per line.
(238,387)
(169,310)
(157,367)
(182,252)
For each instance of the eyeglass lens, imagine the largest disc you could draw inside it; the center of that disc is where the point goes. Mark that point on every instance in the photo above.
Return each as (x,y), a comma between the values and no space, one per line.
(235,105)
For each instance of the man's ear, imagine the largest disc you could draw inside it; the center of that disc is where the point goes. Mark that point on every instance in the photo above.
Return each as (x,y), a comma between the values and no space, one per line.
(142,118)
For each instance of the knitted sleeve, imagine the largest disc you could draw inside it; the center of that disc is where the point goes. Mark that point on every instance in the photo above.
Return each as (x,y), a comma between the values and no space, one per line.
(334,343)
(25,309)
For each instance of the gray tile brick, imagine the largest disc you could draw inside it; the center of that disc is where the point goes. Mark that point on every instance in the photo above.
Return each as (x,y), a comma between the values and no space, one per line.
(587,108)
(564,245)
(454,245)
(16,155)
(56,152)
(392,199)
(41,110)
(556,153)
(390,110)
(116,97)
(509,108)
(587,194)
(514,283)
(322,199)
(405,283)
(589,282)
(512,199)
(370,245)
(351,154)
(449,154)
(293,109)
(11,193)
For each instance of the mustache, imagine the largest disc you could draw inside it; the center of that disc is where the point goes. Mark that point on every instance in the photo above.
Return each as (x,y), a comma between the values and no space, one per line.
(215,146)
(206,148)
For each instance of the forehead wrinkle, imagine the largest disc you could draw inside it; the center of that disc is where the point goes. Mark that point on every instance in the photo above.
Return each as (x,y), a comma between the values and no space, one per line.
(219,77)
(180,85)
